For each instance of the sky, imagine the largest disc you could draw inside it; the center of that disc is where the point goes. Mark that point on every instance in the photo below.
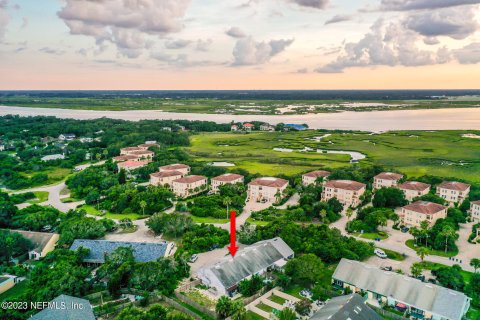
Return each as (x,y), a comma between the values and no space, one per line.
(239,44)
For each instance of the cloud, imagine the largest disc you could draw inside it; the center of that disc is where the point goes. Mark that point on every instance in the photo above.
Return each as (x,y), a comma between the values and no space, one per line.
(203,45)
(54,51)
(302,70)
(235,32)
(177,44)
(469,54)
(180,60)
(405,5)
(385,45)
(249,52)
(317,4)
(125,23)
(338,18)
(24,22)
(431,41)
(4,18)
(457,23)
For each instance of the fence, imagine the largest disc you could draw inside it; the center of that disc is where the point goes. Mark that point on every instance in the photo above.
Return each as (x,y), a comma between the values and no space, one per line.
(196,305)
(181,308)
(386,313)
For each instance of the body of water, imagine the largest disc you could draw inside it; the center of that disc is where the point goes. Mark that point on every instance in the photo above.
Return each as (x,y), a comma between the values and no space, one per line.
(374,121)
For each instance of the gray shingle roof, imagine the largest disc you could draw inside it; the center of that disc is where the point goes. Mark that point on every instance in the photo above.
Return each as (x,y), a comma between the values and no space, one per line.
(142,251)
(66,308)
(425,296)
(250,260)
(351,307)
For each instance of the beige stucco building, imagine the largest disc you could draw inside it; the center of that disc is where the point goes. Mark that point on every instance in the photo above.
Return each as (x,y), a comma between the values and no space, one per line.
(414,189)
(132,165)
(475,211)
(386,180)
(267,189)
(227,178)
(348,192)
(311,177)
(165,178)
(183,168)
(189,185)
(413,214)
(453,191)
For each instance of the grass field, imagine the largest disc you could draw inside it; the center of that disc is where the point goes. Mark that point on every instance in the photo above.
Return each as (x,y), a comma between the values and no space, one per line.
(40,196)
(14,292)
(54,174)
(208,220)
(371,235)
(415,153)
(117,216)
(411,244)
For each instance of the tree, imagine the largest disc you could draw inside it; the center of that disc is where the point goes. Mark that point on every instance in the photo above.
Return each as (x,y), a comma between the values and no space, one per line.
(170,224)
(424,225)
(416,269)
(224,307)
(306,269)
(422,252)
(475,263)
(287,314)
(450,277)
(122,176)
(389,198)
(13,244)
(447,232)
(303,307)
(143,204)
(226,202)
(349,213)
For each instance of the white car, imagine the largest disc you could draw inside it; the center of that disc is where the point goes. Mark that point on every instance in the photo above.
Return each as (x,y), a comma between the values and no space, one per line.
(193,258)
(380,253)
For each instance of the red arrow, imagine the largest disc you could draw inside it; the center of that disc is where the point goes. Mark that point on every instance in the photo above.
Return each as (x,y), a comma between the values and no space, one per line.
(233,239)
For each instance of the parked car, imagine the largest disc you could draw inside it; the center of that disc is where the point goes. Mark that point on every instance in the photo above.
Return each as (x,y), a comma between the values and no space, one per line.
(378,239)
(387,268)
(193,258)
(380,253)
(306,293)
(404,229)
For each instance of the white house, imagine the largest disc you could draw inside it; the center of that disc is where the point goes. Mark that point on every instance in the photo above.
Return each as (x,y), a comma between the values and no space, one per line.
(183,168)
(224,275)
(453,191)
(267,127)
(413,214)
(66,136)
(51,157)
(414,189)
(386,180)
(311,177)
(348,192)
(189,185)
(475,211)
(234,127)
(267,189)
(227,178)
(165,178)
(43,242)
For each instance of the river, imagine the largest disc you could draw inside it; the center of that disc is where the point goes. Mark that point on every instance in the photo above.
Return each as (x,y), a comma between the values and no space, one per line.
(374,121)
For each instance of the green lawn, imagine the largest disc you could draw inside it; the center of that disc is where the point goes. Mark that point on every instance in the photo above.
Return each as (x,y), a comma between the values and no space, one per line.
(371,235)
(411,244)
(277,299)
(415,153)
(40,196)
(294,290)
(434,266)
(264,307)
(208,220)
(14,292)
(117,216)
(54,174)
(253,316)
(473,314)
(257,222)
(394,255)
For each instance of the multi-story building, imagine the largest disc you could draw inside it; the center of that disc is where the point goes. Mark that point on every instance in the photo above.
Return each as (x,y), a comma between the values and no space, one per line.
(267,127)
(228,178)
(386,180)
(189,185)
(453,191)
(475,211)
(148,144)
(414,189)
(129,150)
(348,192)
(125,158)
(267,189)
(413,214)
(165,178)
(143,154)
(311,177)
(132,165)
(422,300)
(183,168)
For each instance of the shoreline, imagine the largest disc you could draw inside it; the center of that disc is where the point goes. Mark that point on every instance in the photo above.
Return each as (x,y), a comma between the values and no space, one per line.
(372,121)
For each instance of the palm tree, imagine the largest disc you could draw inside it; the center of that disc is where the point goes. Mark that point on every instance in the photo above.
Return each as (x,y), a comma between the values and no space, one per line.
(416,270)
(323,214)
(98,156)
(447,232)
(226,202)
(143,204)
(424,230)
(415,233)
(224,306)
(422,252)
(475,263)
(240,312)
(349,213)
(105,153)
(287,314)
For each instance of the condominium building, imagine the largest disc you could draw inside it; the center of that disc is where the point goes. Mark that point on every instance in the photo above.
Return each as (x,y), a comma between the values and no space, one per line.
(348,192)
(228,178)
(132,165)
(189,185)
(413,214)
(475,211)
(183,168)
(311,177)
(414,189)
(129,150)
(267,189)
(165,178)
(386,180)
(453,191)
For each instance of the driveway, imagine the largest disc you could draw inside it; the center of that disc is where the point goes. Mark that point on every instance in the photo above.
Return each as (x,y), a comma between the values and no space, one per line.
(143,234)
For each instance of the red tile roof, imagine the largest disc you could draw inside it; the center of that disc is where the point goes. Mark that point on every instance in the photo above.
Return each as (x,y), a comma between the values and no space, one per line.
(476,202)
(425,207)
(248,125)
(174,167)
(414,185)
(142,152)
(269,182)
(125,158)
(165,174)
(317,173)
(190,179)
(227,177)
(389,176)
(454,185)
(148,145)
(133,164)
(131,149)
(345,185)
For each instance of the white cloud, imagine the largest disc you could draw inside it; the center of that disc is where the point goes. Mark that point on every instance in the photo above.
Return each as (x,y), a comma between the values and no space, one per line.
(4,18)
(339,18)
(469,54)
(235,32)
(177,44)
(203,45)
(126,23)
(317,4)
(405,5)
(250,52)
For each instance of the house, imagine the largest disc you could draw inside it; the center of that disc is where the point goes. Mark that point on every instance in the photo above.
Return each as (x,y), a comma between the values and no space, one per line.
(351,307)
(47,139)
(234,127)
(130,165)
(183,168)
(148,144)
(312,177)
(297,127)
(348,192)
(151,142)
(386,180)
(43,242)
(2,147)
(267,127)
(266,189)
(51,157)
(65,307)
(189,185)
(166,129)
(227,178)
(7,282)
(248,126)
(224,275)
(129,150)
(453,192)
(143,154)
(86,140)
(414,189)
(413,214)
(422,300)
(67,136)
(127,157)
(475,211)
(165,178)
(142,251)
